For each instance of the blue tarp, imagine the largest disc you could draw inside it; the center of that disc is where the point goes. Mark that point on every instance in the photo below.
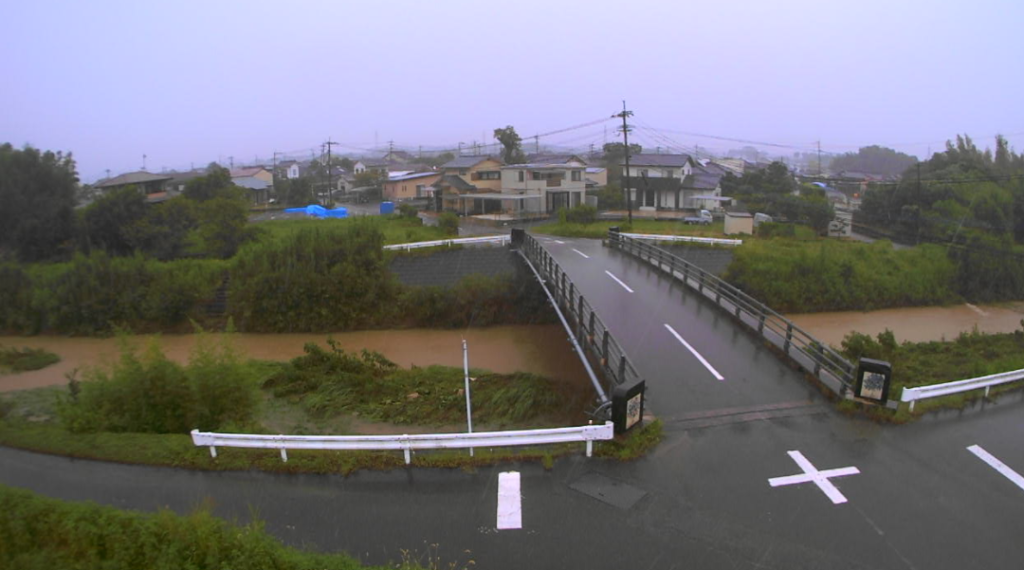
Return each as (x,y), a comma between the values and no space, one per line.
(387,208)
(319,211)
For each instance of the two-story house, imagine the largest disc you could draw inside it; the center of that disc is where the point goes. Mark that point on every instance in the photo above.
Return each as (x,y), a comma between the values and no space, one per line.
(371,164)
(656,180)
(410,186)
(546,184)
(465,176)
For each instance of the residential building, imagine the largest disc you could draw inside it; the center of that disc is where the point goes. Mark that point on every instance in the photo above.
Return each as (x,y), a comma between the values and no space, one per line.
(371,164)
(152,185)
(410,186)
(176,185)
(398,157)
(596,177)
(258,188)
(469,175)
(258,172)
(553,183)
(291,169)
(656,180)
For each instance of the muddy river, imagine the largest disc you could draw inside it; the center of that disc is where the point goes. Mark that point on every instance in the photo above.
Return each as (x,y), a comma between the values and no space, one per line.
(541,349)
(917,324)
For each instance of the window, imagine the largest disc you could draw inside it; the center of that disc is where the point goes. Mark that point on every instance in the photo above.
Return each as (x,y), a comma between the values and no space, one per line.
(489,175)
(419,190)
(576,177)
(670,173)
(537,175)
(522,175)
(643,172)
(462,171)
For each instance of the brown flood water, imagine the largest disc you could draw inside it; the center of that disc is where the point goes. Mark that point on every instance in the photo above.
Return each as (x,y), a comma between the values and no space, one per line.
(540,349)
(916,324)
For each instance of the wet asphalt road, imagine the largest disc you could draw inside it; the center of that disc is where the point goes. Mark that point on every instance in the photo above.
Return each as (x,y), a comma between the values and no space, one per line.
(700,500)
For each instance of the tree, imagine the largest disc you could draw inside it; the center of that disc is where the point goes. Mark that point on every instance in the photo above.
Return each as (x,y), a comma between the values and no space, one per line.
(108,223)
(295,191)
(223,227)
(512,145)
(207,187)
(164,231)
(614,154)
(874,160)
(449,223)
(37,200)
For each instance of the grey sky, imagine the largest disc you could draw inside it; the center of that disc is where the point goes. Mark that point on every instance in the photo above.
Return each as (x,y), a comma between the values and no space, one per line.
(191,82)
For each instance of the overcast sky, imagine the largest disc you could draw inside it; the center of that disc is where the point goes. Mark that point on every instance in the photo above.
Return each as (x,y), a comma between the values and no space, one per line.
(189,82)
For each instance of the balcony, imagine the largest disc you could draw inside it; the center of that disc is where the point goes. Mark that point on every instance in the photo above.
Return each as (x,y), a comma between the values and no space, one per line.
(553,182)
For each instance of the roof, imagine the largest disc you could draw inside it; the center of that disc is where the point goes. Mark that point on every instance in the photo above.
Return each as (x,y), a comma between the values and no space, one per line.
(456,182)
(251,183)
(715,198)
(658,184)
(413,176)
(676,160)
(594,170)
(467,161)
(703,181)
(591,182)
(553,158)
(140,177)
(244,172)
(715,168)
(373,162)
(399,154)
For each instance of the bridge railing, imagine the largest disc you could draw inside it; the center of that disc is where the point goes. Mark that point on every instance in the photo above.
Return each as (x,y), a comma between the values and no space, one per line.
(591,333)
(690,239)
(936,390)
(406,443)
(498,240)
(814,356)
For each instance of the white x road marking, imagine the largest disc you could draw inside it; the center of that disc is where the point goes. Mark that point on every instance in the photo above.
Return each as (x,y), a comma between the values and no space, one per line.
(585,256)
(812,475)
(619,281)
(510,501)
(999,466)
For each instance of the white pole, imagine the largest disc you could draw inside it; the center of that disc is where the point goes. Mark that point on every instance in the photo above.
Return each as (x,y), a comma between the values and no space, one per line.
(469,408)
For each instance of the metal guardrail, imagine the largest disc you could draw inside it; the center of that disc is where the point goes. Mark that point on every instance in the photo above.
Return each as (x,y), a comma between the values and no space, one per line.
(589,330)
(692,239)
(809,353)
(935,390)
(406,443)
(500,240)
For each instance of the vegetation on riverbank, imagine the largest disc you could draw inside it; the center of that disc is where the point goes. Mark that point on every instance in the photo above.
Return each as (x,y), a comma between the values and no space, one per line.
(599,229)
(40,532)
(14,359)
(970,355)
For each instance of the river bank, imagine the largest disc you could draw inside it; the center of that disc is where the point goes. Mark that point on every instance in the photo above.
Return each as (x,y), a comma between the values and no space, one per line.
(915,324)
(539,349)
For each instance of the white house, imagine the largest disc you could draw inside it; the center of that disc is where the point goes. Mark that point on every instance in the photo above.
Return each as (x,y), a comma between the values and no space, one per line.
(556,182)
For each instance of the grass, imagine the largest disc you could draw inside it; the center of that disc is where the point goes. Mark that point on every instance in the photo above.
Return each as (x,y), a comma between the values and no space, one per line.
(40,532)
(395,229)
(599,229)
(13,359)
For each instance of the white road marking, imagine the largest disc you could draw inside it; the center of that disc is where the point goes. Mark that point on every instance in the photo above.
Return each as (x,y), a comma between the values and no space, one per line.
(559,241)
(619,281)
(999,466)
(976,310)
(812,475)
(695,353)
(510,501)
(585,256)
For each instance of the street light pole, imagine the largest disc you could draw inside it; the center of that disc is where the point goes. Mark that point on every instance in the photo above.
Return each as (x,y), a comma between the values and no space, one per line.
(469,407)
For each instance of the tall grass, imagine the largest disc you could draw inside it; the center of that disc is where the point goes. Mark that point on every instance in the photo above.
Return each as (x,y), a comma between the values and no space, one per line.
(40,532)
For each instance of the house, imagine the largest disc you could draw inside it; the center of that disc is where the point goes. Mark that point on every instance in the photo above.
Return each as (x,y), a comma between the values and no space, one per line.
(467,175)
(176,185)
(371,164)
(657,180)
(253,172)
(291,169)
(596,177)
(259,189)
(410,186)
(398,157)
(152,185)
(543,187)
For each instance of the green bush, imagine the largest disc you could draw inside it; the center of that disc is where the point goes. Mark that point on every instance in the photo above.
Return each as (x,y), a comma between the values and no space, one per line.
(148,393)
(408,211)
(476,300)
(448,222)
(40,532)
(20,360)
(582,214)
(313,281)
(830,275)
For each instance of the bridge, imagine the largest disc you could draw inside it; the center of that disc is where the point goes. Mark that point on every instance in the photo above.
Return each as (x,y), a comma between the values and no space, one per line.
(756,470)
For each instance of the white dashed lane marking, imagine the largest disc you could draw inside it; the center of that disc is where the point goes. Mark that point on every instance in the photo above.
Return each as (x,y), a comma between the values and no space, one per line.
(695,353)
(999,466)
(619,281)
(585,256)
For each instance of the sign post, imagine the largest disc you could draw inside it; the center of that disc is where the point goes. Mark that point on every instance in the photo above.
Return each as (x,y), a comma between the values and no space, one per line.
(469,408)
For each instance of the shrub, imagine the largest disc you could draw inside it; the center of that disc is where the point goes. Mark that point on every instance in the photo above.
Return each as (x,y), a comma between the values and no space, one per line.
(20,360)
(408,211)
(449,222)
(582,214)
(150,393)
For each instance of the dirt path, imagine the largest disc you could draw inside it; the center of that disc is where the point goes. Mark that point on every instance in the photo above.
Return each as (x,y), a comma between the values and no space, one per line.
(917,324)
(541,349)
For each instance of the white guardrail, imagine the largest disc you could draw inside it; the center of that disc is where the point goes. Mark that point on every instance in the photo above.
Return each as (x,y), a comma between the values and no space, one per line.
(694,239)
(934,391)
(500,240)
(406,443)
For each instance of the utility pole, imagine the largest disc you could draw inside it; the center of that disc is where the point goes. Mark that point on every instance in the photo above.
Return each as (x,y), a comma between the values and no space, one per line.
(108,174)
(460,149)
(536,144)
(330,188)
(625,173)
(143,162)
(819,158)
(231,161)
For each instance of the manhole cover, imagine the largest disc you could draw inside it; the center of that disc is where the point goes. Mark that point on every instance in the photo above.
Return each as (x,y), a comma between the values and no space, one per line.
(608,490)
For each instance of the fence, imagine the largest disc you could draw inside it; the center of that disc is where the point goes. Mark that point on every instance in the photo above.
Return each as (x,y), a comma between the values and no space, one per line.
(934,391)
(809,353)
(406,443)
(587,328)
(691,239)
(500,240)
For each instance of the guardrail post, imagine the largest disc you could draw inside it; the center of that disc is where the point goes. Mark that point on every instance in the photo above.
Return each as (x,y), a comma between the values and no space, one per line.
(592,326)
(789,337)
(579,310)
(407,450)
(572,295)
(604,351)
(284,455)
(986,390)
(213,452)
(912,405)
(760,324)
(561,289)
